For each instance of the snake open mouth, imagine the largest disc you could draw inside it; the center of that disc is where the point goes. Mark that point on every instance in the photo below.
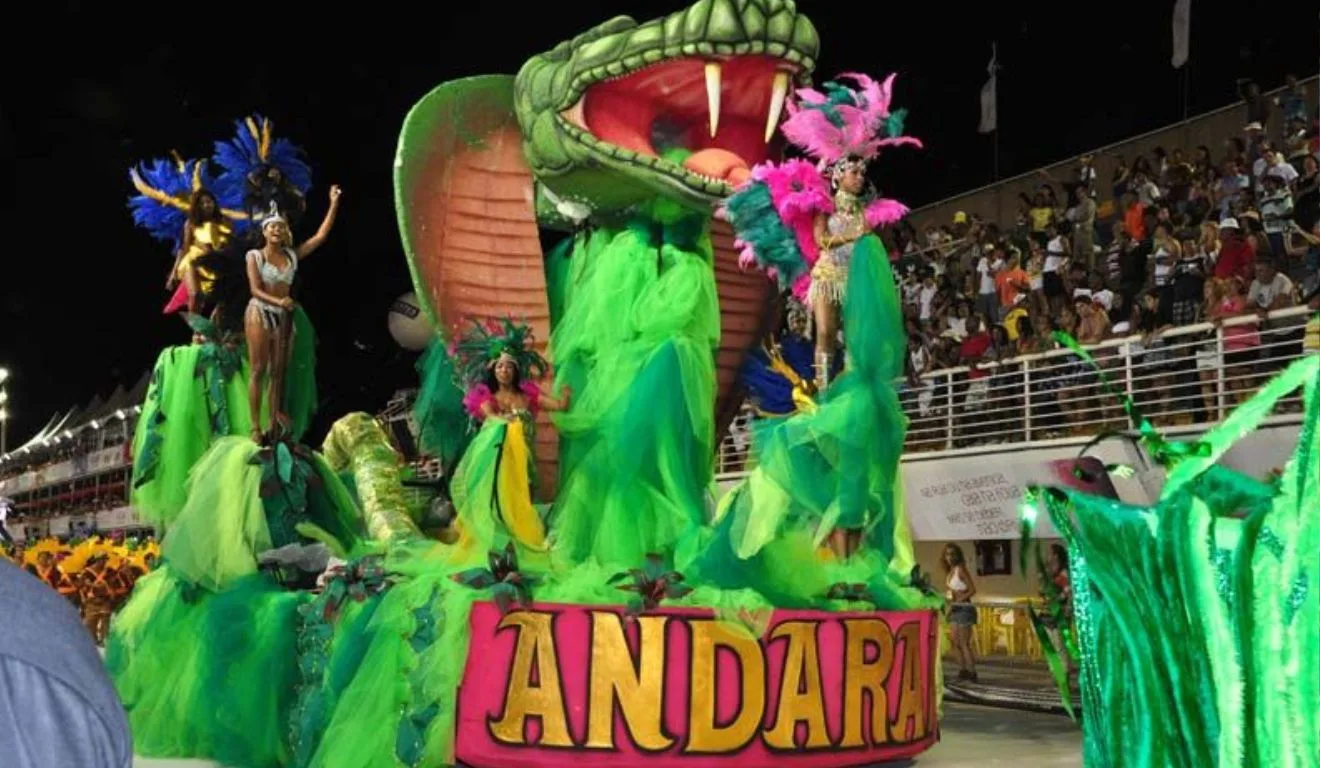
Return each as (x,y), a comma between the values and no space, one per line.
(703,121)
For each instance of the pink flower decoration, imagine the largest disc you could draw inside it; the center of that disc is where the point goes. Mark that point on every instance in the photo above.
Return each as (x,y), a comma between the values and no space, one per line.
(475,398)
(884,211)
(796,188)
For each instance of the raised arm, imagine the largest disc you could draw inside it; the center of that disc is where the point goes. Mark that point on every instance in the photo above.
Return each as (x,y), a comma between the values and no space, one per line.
(551,403)
(318,239)
(258,288)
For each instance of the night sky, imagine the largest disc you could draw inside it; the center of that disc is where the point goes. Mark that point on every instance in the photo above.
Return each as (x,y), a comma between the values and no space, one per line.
(82,289)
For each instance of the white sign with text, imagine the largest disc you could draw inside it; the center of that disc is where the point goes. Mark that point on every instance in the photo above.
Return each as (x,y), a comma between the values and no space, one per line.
(980,497)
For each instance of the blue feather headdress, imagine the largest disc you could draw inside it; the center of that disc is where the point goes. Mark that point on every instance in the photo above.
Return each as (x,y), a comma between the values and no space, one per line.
(253,146)
(164,193)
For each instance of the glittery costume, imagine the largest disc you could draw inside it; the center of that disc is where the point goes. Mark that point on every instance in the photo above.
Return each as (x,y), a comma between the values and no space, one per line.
(835,463)
(207,237)
(829,277)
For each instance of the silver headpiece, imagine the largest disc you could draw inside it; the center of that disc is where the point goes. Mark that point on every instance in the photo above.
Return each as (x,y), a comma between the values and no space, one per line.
(273,216)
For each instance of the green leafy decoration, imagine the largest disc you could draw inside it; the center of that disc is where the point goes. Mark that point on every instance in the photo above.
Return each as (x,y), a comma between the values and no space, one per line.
(652,583)
(508,586)
(919,580)
(852,593)
(357,581)
(410,736)
(217,363)
(148,456)
(894,123)
(287,474)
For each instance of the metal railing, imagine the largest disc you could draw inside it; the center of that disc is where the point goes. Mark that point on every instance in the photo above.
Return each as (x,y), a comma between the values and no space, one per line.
(1190,375)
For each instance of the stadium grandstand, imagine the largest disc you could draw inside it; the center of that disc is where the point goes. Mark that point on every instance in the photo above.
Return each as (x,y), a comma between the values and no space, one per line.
(71,479)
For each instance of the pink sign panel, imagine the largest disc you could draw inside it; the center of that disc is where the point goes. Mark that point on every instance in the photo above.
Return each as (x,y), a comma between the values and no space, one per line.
(574,685)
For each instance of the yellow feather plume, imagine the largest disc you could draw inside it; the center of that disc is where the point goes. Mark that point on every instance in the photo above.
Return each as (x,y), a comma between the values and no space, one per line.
(263,148)
(155,194)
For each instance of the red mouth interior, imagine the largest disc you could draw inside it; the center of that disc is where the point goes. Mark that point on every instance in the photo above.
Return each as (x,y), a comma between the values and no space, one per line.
(665,106)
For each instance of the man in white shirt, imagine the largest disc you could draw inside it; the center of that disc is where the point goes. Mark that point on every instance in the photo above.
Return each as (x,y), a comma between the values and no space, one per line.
(927,296)
(1262,163)
(1281,339)
(987,297)
(1147,191)
(1271,289)
(1280,167)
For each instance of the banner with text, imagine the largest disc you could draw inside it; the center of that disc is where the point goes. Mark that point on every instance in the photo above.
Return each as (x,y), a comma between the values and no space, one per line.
(83,464)
(980,497)
(583,686)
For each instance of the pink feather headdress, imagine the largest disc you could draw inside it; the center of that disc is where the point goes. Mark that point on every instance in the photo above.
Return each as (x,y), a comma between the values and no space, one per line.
(841,123)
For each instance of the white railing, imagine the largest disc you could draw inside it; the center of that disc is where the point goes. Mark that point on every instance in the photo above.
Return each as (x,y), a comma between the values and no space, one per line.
(1188,376)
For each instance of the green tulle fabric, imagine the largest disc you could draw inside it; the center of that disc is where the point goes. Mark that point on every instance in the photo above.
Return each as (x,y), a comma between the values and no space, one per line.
(1196,618)
(636,341)
(442,421)
(205,674)
(232,508)
(199,392)
(365,674)
(834,466)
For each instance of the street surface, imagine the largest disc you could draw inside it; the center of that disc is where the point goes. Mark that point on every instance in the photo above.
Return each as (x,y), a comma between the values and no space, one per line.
(974,737)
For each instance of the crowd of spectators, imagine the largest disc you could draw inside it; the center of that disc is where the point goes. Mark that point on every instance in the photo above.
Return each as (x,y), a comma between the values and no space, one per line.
(1180,237)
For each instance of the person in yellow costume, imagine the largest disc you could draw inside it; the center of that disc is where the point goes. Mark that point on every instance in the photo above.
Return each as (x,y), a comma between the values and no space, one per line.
(207,227)
(206,231)
(492,485)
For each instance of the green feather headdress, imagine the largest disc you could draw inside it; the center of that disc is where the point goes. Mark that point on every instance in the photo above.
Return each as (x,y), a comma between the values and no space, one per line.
(485,342)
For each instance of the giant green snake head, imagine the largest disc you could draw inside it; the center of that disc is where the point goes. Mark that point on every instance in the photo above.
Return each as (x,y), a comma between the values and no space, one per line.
(681,107)
(676,109)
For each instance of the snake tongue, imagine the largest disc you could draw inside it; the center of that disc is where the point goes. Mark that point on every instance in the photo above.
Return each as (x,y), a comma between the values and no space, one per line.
(719,164)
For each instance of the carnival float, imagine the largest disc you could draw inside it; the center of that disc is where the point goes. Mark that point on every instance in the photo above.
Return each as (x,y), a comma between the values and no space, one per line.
(591,603)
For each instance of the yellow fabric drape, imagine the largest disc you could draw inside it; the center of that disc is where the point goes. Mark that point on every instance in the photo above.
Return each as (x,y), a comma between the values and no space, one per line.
(514,488)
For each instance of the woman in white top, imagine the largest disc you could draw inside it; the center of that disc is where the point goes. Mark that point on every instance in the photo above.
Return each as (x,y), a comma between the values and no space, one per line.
(267,322)
(962,614)
(1167,253)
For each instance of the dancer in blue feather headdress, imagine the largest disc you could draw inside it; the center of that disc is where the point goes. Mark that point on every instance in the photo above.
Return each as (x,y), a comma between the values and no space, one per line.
(209,221)
(260,170)
(181,202)
(175,204)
